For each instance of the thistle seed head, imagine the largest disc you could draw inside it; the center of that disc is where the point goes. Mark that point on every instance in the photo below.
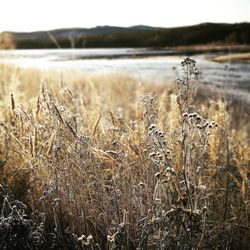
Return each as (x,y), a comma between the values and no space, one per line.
(157,175)
(199,126)
(153,154)
(152,126)
(198,118)
(90,238)
(142,184)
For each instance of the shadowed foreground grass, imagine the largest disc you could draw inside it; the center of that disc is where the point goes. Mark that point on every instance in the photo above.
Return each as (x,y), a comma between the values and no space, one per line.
(108,162)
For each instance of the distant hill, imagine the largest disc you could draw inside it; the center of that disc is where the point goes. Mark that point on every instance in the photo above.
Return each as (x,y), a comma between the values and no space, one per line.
(135,36)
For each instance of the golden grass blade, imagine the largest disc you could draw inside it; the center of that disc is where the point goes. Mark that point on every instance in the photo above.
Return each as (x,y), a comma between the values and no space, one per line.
(96,125)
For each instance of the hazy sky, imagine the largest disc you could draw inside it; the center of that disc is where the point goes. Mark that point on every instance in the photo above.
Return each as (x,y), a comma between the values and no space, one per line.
(31,15)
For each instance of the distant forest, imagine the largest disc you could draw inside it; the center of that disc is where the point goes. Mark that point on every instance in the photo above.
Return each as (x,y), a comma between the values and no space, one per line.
(136,37)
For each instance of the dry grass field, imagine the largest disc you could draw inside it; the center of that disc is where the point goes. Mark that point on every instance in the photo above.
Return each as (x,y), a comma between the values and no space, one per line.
(109,162)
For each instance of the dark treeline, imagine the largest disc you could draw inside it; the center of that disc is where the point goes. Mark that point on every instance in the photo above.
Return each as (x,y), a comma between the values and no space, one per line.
(137,36)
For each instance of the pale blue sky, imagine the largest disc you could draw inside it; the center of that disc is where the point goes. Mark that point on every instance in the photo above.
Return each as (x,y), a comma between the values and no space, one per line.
(31,15)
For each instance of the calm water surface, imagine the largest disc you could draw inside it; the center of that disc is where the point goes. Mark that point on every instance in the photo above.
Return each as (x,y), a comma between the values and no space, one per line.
(143,63)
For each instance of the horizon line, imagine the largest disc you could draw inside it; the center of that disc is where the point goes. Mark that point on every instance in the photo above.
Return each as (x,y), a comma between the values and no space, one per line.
(118,26)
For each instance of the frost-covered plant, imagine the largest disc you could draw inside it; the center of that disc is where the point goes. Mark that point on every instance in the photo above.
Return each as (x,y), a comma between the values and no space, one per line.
(177,218)
(17,229)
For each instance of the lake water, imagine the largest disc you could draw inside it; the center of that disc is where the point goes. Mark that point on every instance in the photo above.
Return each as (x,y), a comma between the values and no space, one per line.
(143,63)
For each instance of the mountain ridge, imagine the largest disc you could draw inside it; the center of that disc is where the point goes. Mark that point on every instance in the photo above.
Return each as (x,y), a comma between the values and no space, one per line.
(133,36)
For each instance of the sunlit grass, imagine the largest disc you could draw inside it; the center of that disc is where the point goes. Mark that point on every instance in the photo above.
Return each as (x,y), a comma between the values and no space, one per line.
(113,162)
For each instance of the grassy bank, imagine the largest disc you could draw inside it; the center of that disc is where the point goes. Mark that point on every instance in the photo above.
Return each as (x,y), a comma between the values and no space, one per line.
(233,58)
(213,48)
(109,162)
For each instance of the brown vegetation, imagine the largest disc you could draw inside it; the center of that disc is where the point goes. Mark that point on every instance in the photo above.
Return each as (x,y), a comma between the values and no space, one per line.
(7,40)
(236,58)
(109,162)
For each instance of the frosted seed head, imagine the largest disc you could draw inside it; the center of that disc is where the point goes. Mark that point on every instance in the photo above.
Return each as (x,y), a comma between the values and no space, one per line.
(206,124)
(199,126)
(153,154)
(142,184)
(198,118)
(157,175)
(83,237)
(90,238)
(173,172)
(152,126)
